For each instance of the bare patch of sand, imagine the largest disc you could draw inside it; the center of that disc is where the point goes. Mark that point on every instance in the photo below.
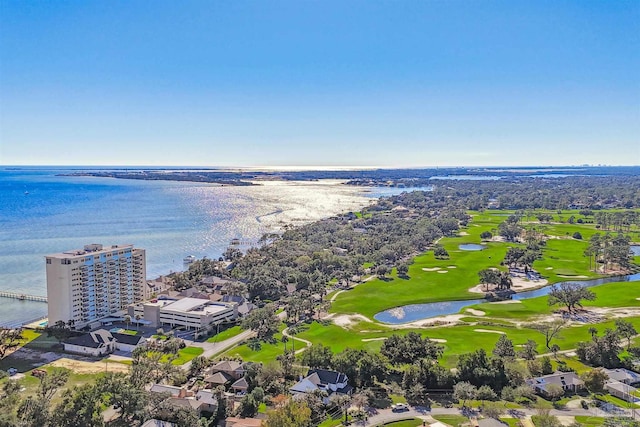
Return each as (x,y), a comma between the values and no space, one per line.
(520,283)
(442,271)
(475,312)
(497,239)
(451,319)
(431,269)
(489,331)
(479,289)
(616,312)
(346,320)
(81,367)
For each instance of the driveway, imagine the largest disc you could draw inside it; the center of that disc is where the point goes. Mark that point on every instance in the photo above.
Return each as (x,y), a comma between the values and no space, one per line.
(213,348)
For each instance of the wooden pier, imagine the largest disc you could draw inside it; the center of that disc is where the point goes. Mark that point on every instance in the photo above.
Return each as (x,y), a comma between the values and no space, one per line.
(23,297)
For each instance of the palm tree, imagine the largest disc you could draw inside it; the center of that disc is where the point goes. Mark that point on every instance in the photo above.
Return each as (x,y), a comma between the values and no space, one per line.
(593,331)
(127,320)
(138,317)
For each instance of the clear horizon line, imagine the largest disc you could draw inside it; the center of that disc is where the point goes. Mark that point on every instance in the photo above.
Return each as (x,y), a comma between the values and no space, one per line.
(310,167)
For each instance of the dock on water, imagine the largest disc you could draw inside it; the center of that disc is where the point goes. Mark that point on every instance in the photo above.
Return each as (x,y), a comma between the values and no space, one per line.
(23,297)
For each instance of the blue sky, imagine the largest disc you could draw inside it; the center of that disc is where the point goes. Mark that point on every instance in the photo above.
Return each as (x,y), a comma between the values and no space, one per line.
(337,83)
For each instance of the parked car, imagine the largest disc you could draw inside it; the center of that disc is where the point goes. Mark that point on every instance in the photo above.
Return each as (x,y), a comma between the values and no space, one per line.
(12,371)
(399,407)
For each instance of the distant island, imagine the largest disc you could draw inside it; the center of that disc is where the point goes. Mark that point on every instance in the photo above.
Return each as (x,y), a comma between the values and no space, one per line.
(409,178)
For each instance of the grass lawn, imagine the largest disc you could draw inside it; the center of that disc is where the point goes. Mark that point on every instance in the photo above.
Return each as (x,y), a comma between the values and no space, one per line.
(226,334)
(618,402)
(184,355)
(406,423)
(590,421)
(397,398)
(460,339)
(266,353)
(512,422)
(613,295)
(562,259)
(31,383)
(331,422)
(452,420)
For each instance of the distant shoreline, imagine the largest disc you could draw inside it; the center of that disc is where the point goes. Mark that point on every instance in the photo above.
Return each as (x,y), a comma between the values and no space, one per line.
(402,178)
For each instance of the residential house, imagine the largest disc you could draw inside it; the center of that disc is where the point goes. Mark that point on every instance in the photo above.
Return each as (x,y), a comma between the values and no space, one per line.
(622,391)
(202,401)
(97,343)
(229,367)
(242,422)
(223,373)
(128,343)
(569,381)
(621,382)
(101,342)
(241,386)
(321,379)
(157,423)
(218,379)
(489,422)
(623,375)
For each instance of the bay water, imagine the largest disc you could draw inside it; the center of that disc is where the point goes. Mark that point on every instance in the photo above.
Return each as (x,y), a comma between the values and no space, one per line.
(42,212)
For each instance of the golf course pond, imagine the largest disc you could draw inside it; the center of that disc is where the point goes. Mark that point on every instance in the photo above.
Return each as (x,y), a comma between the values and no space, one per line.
(413,312)
(471,247)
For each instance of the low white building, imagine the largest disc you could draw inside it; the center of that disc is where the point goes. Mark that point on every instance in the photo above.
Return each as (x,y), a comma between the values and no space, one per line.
(102,342)
(622,391)
(97,343)
(193,313)
(324,380)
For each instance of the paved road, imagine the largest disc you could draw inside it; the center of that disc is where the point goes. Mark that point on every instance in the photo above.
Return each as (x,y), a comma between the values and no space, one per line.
(213,348)
(387,415)
(307,343)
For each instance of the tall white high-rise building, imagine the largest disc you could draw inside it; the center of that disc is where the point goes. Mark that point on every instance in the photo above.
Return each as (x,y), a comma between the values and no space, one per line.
(95,282)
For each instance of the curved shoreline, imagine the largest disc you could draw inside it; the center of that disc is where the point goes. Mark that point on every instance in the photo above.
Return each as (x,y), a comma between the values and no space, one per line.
(447,317)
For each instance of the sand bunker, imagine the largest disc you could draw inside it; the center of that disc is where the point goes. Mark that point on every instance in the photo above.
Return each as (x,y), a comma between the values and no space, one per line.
(572,277)
(452,266)
(442,271)
(346,320)
(475,312)
(489,331)
(549,268)
(440,340)
(431,269)
(519,284)
(508,301)
(374,339)
(463,233)
(450,319)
